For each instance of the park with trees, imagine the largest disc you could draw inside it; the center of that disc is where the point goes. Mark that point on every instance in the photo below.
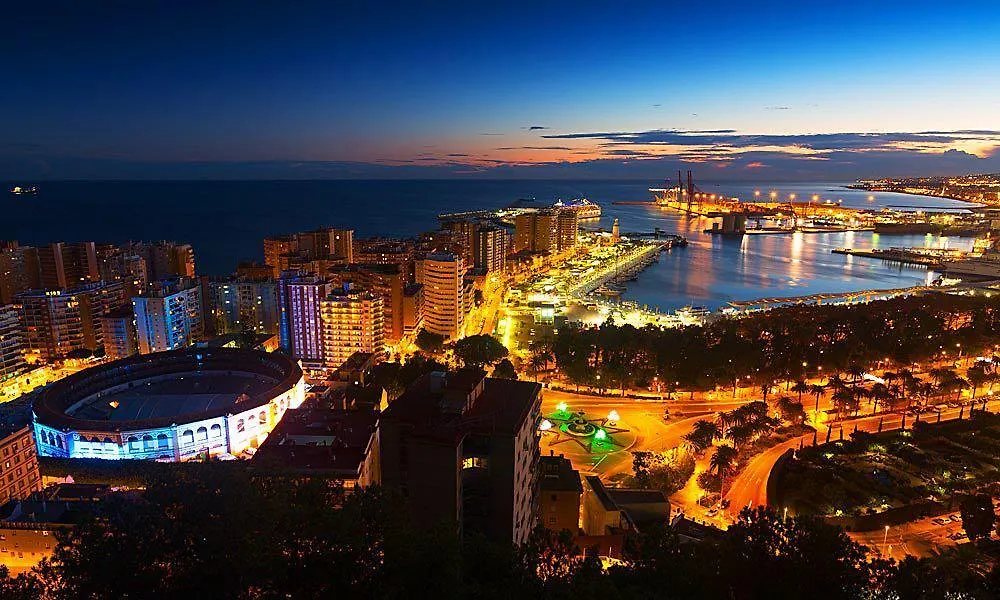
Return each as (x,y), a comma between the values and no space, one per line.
(790,345)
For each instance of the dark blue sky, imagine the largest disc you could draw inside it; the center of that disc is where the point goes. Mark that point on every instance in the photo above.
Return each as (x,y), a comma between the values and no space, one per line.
(116,89)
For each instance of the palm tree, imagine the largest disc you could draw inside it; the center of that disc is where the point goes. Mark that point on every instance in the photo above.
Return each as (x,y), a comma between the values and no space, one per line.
(957,384)
(817,390)
(702,435)
(942,374)
(927,390)
(742,434)
(538,362)
(977,376)
(723,460)
(800,387)
(879,394)
(836,381)
(856,372)
(845,400)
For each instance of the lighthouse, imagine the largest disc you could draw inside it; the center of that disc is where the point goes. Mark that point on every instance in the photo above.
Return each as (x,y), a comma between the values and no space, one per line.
(615,232)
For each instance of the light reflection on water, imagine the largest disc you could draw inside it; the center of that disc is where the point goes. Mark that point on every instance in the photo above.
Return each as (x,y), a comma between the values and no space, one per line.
(714,270)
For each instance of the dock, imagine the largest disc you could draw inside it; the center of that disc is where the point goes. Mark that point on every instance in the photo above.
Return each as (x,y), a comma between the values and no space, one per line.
(897,255)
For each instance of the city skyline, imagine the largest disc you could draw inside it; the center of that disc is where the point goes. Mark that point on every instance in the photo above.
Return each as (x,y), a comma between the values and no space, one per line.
(775,91)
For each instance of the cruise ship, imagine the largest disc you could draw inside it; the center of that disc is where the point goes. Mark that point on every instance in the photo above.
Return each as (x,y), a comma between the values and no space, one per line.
(20,190)
(985,267)
(584,208)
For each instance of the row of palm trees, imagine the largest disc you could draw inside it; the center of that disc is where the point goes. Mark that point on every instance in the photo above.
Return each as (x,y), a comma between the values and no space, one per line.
(898,390)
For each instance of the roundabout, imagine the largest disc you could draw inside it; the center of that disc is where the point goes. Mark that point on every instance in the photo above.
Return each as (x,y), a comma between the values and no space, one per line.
(576,433)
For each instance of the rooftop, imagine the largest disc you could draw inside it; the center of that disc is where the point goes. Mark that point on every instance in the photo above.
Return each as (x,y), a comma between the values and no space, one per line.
(556,474)
(323,440)
(501,406)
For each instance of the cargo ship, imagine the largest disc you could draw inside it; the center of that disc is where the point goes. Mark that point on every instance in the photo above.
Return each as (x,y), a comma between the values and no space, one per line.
(906,228)
(585,209)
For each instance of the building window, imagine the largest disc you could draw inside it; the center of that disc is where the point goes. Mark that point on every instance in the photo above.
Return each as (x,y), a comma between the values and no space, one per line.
(202,434)
(147,442)
(216,430)
(161,440)
(187,437)
(475,462)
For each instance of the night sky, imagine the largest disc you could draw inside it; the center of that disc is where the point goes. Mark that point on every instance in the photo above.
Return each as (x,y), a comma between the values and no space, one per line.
(750,89)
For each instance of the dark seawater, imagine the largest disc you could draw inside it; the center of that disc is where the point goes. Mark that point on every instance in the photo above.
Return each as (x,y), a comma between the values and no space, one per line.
(226,221)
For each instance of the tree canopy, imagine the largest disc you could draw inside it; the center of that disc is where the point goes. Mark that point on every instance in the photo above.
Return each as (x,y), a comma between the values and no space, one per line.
(479,350)
(222,531)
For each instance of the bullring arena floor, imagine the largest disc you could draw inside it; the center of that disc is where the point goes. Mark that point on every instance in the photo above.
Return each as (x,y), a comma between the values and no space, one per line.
(191,394)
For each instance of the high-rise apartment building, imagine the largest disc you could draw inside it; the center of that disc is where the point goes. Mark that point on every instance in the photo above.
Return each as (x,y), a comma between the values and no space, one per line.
(351,321)
(299,297)
(567,228)
(490,246)
(326,243)
(413,308)
(386,251)
(445,302)
(165,260)
(121,265)
(387,280)
(464,234)
(11,343)
(57,322)
(277,249)
(463,448)
(19,474)
(169,316)
(549,230)
(19,271)
(65,265)
(237,304)
(118,329)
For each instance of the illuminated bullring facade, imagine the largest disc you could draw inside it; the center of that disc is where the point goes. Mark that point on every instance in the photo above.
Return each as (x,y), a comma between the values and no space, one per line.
(170,406)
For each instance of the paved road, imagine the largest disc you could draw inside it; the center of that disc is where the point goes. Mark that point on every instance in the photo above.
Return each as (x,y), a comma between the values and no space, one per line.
(750,486)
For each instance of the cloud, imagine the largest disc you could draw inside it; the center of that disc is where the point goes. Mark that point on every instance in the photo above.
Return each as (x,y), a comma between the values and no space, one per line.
(535,127)
(754,165)
(726,142)
(534,148)
(490,133)
(777,108)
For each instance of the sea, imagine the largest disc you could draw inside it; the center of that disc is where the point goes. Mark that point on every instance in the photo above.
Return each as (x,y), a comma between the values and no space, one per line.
(226,221)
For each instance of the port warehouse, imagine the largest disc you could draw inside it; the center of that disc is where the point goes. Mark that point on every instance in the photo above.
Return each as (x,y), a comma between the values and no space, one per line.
(169,406)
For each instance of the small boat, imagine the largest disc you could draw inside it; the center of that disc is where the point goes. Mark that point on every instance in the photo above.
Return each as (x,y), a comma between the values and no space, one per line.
(27,190)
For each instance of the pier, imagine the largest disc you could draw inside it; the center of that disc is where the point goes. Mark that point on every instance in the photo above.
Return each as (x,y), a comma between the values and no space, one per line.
(622,268)
(837,298)
(896,255)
